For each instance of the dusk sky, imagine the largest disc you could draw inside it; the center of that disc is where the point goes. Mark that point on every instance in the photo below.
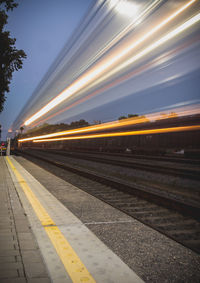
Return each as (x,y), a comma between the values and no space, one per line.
(41,28)
(169,77)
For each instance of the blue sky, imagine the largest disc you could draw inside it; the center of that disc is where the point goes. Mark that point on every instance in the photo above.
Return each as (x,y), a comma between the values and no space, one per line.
(41,28)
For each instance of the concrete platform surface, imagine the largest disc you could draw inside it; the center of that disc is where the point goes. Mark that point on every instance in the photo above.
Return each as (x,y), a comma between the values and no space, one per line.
(20,257)
(70,252)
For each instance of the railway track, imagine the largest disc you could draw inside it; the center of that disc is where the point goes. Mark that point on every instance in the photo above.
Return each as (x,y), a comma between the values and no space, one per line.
(145,164)
(131,156)
(163,212)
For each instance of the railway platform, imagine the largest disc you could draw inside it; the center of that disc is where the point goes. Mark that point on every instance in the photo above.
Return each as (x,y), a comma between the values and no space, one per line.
(51,231)
(20,257)
(42,241)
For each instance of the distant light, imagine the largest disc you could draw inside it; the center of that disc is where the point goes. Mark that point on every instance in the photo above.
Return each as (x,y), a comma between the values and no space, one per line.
(125,7)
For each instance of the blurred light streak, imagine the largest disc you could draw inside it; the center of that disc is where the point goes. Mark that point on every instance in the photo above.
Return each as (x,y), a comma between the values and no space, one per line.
(153,46)
(85,79)
(104,126)
(135,21)
(121,123)
(155,62)
(165,38)
(131,133)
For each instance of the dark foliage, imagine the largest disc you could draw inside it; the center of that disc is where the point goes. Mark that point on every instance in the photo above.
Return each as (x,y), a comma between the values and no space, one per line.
(129,116)
(11,59)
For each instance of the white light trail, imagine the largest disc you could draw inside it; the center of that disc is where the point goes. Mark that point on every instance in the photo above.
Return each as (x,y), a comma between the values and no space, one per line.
(93,74)
(153,46)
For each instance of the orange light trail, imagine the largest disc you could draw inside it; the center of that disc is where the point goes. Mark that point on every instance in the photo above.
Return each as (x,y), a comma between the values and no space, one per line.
(94,73)
(121,123)
(104,126)
(130,133)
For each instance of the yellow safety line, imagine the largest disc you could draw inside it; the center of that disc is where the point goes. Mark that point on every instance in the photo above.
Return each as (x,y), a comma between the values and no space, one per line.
(38,208)
(73,264)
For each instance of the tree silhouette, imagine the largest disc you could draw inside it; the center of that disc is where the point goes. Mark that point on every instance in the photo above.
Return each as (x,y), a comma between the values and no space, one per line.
(10,57)
(122,117)
(21,129)
(132,115)
(129,116)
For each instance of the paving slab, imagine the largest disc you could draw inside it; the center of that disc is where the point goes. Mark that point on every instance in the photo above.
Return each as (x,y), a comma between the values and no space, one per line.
(14,280)
(16,237)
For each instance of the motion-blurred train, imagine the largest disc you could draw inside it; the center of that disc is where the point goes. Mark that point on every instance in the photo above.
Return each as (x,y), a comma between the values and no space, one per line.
(177,135)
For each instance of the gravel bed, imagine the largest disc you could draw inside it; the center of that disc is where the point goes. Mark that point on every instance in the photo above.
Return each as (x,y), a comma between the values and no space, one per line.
(169,164)
(171,184)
